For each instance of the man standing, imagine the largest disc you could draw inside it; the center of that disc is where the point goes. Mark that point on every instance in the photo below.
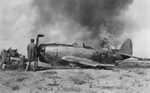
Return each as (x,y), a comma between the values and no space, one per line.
(4,58)
(32,53)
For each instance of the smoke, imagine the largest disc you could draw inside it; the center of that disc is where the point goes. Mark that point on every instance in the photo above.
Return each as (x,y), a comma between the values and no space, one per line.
(67,21)
(62,21)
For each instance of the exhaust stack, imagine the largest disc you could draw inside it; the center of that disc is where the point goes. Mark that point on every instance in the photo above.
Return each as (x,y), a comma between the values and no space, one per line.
(37,39)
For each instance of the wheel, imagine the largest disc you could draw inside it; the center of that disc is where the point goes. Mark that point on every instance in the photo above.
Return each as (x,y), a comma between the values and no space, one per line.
(35,65)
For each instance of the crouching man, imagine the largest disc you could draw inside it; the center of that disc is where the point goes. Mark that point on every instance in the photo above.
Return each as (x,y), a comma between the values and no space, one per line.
(22,63)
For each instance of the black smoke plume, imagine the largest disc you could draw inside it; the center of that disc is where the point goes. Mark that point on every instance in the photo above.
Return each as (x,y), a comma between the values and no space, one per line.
(90,15)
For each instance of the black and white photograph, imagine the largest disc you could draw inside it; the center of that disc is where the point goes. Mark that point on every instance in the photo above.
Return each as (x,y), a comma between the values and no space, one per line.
(74,46)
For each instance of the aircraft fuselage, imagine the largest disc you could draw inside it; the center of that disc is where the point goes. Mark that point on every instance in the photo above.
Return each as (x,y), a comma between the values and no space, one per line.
(53,53)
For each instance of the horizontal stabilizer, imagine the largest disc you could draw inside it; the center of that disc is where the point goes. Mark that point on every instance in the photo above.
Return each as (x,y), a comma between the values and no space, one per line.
(130,56)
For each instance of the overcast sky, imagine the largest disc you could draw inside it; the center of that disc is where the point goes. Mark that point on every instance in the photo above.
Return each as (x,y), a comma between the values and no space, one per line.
(140,12)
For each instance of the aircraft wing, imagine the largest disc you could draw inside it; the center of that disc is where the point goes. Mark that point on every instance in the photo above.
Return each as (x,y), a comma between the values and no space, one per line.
(15,59)
(84,61)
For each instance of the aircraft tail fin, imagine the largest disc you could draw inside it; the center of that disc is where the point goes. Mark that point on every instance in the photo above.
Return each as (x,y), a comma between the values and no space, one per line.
(127,47)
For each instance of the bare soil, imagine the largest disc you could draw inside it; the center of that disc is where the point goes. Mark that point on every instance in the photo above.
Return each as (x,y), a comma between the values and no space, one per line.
(129,77)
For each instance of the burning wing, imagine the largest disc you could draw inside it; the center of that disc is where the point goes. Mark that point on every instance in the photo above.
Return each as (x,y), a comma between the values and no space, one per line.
(84,61)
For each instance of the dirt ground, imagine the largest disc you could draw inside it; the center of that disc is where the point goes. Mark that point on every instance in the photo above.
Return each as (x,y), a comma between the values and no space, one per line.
(129,77)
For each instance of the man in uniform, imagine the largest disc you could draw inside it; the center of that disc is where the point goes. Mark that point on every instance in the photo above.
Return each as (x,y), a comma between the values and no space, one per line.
(32,53)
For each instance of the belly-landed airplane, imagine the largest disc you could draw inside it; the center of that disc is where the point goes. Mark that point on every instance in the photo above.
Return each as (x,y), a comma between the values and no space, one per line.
(73,55)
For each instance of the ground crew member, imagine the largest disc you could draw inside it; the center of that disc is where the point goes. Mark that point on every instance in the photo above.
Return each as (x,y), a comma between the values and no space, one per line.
(32,53)
(22,63)
(3,58)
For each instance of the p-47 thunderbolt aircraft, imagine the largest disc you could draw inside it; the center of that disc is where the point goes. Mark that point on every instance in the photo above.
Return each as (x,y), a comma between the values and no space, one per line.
(73,55)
